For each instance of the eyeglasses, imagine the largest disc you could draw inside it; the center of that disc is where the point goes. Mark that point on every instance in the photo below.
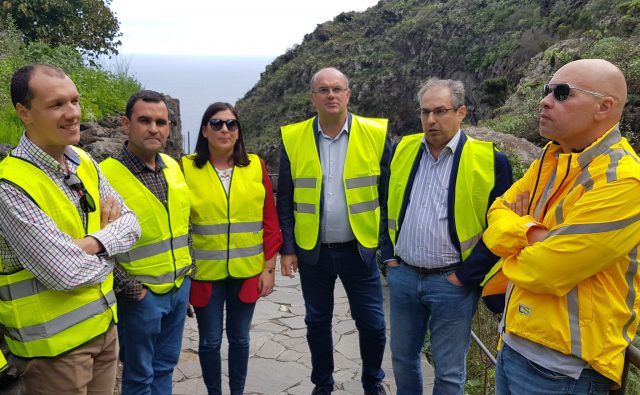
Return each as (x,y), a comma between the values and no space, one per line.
(87,204)
(216,124)
(561,92)
(325,90)
(438,112)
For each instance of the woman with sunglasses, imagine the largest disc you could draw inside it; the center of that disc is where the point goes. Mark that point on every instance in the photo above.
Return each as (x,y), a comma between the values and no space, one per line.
(236,237)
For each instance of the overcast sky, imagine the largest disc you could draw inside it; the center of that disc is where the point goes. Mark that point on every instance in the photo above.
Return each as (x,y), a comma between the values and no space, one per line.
(229,28)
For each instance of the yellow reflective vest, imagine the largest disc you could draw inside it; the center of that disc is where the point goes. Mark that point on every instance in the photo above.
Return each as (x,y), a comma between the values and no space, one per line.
(3,362)
(41,322)
(360,179)
(160,259)
(578,290)
(227,230)
(474,183)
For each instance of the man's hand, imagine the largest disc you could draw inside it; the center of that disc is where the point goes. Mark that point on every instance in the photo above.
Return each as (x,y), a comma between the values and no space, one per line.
(289,265)
(89,245)
(453,279)
(143,293)
(392,263)
(109,211)
(521,205)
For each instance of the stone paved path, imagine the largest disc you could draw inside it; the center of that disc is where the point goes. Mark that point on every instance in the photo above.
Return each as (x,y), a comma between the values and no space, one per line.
(280,363)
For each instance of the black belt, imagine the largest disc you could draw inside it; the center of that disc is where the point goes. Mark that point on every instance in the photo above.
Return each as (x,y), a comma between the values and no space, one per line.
(340,246)
(424,270)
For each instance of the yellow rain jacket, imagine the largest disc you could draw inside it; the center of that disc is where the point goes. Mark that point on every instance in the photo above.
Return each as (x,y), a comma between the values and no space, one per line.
(576,291)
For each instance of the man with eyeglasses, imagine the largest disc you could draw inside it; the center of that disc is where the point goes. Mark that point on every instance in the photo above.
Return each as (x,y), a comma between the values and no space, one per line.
(60,224)
(151,280)
(331,205)
(442,183)
(568,233)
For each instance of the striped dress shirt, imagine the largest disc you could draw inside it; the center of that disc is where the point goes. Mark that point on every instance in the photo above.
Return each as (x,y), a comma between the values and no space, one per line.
(424,236)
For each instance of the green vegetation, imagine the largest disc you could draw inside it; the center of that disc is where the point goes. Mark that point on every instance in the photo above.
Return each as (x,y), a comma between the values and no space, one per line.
(88,25)
(102,93)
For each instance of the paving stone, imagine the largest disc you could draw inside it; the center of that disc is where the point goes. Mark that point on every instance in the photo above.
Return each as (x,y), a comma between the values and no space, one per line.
(269,327)
(270,350)
(295,322)
(280,361)
(273,377)
(190,387)
(348,345)
(289,356)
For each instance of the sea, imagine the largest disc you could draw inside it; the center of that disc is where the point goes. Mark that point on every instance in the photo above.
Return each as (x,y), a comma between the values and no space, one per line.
(196,81)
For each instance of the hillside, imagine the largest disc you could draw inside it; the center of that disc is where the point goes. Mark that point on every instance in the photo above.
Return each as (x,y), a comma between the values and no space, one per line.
(503,50)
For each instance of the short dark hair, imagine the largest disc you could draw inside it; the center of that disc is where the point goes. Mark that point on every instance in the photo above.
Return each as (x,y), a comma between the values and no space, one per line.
(20,91)
(240,157)
(146,96)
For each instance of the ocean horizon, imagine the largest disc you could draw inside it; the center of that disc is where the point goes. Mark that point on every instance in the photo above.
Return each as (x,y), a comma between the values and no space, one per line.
(196,81)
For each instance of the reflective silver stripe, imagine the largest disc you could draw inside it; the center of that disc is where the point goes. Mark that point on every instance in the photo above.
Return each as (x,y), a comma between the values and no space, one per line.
(615,157)
(222,254)
(305,208)
(580,229)
(545,194)
(600,149)
(364,206)
(206,230)
(163,279)
(221,229)
(393,224)
(21,289)
(361,182)
(305,183)
(471,242)
(574,322)
(152,249)
(63,322)
(560,212)
(631,295)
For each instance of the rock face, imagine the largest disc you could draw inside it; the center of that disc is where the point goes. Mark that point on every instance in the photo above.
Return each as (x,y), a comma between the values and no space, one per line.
(503,51)
(105,138)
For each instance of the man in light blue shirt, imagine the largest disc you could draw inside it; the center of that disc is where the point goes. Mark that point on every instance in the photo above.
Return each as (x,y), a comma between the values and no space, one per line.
(331,206)
(440,187)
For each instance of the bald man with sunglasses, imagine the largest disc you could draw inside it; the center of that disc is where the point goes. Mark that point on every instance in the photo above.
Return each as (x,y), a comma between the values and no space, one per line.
(568,233)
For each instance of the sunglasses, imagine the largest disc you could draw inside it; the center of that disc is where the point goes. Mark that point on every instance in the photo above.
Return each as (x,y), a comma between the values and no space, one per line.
(561,92)
(216,124)
(87,204)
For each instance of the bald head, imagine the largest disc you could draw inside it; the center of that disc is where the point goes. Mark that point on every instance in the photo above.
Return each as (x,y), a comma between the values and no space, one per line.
(330,71)
(597,95)
(598,75)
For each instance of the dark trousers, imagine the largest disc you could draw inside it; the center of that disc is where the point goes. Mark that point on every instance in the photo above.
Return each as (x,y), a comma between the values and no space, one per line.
(361,281)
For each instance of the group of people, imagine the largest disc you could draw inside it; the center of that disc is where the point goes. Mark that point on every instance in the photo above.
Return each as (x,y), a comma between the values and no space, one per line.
(140,237)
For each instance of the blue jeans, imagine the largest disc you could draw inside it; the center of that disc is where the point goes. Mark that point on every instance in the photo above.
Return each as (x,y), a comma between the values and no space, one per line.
(361,281)
(420,302)
(516,374)
(150,334)
(238,323)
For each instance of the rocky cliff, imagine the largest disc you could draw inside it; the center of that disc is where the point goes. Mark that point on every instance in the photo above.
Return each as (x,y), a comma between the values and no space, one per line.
(503,50)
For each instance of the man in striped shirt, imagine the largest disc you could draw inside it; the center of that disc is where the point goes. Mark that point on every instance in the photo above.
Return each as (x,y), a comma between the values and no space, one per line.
(441,185)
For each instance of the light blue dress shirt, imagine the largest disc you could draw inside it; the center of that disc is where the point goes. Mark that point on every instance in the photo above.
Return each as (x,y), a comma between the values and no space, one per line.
(334,222)
(424,236)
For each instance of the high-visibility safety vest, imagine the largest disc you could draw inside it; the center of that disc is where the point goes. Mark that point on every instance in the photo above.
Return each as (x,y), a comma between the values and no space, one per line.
(474,182)
(160,259)
(227,229)
(3,362)
(360,179)
(41,322)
